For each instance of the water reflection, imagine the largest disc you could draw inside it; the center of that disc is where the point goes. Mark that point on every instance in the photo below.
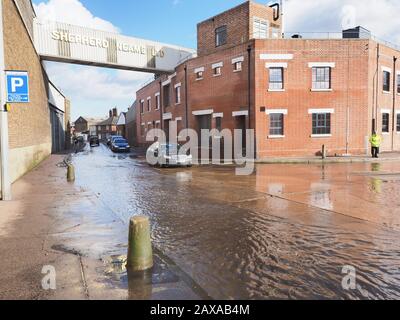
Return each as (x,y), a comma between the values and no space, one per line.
(236,241)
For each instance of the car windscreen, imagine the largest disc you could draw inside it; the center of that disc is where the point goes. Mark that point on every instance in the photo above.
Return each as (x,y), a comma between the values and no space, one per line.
(170,149)
(120,141)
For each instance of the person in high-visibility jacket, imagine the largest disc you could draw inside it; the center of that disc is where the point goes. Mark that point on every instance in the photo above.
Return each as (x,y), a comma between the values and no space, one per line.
(375,141)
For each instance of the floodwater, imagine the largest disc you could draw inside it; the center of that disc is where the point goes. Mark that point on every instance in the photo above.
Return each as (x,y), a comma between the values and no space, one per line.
(285,232)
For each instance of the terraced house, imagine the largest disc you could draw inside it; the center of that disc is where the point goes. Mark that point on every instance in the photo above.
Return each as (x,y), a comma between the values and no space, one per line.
(297,91)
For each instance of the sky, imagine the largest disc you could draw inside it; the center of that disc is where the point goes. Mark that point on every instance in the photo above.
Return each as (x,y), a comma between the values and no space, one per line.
(93,91)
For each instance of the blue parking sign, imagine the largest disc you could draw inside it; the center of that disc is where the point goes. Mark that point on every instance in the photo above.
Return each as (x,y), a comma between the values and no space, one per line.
(17,86)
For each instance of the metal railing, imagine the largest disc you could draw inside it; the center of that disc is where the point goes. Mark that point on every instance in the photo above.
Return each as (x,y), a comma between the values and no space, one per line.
(362,35)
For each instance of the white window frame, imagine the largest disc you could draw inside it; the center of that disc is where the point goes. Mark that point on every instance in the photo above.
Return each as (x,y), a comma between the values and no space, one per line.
(258,33)
(386,69)
(282,65)
(282,112)
(330,65)
(148,104)
(236,62)
(141,106)
(197,71)
(322,111)
(386,111)
(178,87)
(218,66)
(158,101)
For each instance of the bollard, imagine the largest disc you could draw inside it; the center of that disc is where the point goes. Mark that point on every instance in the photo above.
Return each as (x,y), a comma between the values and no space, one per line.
(323,152)
(140,252)
(70,173)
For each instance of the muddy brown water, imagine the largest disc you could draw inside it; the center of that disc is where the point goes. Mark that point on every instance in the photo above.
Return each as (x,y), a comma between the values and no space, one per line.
(283,232)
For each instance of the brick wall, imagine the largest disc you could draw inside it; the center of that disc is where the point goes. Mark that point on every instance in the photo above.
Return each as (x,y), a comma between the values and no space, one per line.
(27,13)
(348,97)
(223,94)
(264,12)
(81,125)
(29,124)
(356,95)
(380,101)
(239,23)
(21,55)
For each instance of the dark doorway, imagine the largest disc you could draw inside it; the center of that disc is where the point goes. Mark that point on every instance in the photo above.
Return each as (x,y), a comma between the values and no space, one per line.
(204,123)
(240,124)
(166,130)
(57,130)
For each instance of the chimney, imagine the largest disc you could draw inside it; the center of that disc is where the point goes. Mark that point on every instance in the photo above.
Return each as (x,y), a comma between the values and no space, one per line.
(110,113)
(115,112)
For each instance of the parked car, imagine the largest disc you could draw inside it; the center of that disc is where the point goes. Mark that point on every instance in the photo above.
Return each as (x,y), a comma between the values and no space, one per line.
(168,155)
(120,145)
(110,140)
(80,139)
(94,141)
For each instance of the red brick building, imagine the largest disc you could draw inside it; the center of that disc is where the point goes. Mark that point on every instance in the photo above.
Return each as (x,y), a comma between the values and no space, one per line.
(108,127)
(297,94)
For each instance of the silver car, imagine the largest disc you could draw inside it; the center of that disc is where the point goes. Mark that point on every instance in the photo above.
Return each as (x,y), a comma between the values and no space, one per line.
(168,155)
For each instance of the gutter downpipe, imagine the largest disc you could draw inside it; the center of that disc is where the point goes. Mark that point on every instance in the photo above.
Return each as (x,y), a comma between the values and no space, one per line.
(161,106)
(375,114)
(394,127)
(249,84)
(347,102)
(186,98)
(249,49)
(4,143)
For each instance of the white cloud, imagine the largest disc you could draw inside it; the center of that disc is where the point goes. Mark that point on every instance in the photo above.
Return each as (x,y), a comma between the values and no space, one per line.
(96,83)
(72,12)
(93,91)
(379,16)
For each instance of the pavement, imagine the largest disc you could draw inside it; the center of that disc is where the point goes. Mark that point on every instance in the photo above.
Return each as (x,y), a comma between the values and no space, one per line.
(40,227)
(384,157)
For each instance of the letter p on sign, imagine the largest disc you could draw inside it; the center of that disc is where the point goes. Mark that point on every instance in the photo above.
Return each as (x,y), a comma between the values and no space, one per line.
(17,86)
(16,83)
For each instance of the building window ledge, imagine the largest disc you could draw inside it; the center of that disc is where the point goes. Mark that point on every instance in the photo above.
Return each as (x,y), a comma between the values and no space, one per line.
(321,135)
(217,75)
(276,90)
(276,137)
(385,92)
(178,104)
(385,133)
(321,90)
(236,71)
(199,79)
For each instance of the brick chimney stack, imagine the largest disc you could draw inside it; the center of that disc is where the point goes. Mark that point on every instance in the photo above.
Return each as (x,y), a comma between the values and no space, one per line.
(110,113)
(115,112)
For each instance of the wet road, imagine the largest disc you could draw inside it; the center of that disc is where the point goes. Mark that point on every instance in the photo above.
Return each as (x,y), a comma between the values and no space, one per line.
(283,232)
